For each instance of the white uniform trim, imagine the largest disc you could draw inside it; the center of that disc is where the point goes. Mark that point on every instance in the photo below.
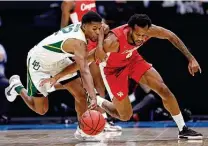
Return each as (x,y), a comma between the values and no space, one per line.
(101,66)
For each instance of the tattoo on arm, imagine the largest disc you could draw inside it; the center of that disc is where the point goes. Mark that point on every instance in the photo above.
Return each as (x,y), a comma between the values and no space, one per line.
(181,46)
(162,33)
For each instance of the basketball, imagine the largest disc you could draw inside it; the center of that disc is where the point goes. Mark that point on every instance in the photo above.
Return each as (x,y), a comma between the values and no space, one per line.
(92,122)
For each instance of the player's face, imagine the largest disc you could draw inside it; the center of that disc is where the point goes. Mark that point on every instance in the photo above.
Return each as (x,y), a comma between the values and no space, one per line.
(92,30)
(139,34)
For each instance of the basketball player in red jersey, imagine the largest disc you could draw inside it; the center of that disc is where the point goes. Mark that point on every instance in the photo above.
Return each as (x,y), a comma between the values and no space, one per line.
(122,61)
(72,11)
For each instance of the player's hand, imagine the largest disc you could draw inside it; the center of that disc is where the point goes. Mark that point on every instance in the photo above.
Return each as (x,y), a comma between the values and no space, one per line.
(193,66)
(93,103)
(106,28)
(101,35)
(51,81)
(100,54)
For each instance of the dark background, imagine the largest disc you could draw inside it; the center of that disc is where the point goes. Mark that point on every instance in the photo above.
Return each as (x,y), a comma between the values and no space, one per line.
(24,24)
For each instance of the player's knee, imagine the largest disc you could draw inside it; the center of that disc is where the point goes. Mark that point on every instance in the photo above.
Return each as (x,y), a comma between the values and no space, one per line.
(127,116)
(164,90)
(80,97)
(41,112)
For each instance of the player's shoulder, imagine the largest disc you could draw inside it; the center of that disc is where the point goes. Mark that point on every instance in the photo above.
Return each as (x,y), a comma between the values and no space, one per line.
(111,40)
(111,37)
(154,28)
(77,33)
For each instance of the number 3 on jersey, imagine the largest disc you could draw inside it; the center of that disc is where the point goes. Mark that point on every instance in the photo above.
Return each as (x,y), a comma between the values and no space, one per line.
(70,28)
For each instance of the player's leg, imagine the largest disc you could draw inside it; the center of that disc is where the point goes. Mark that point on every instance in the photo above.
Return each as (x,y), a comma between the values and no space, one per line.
(120,109)
(153,80)
(38,103)
(117,87)
(98,83)
(35,100)
(97,78)
(100,88)
(74,86)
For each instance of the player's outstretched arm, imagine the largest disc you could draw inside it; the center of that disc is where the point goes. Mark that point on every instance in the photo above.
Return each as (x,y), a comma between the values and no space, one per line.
(66,8)
(72,68)
(80,52)
(162,33)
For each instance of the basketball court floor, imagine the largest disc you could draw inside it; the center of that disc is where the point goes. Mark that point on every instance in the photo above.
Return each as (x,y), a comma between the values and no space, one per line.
(133,134)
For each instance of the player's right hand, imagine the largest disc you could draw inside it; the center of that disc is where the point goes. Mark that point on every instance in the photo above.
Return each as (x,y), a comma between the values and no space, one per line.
(93,103)
(101,35)
(51,81)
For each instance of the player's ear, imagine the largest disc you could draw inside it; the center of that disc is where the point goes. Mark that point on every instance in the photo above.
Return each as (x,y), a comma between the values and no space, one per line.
(84,27)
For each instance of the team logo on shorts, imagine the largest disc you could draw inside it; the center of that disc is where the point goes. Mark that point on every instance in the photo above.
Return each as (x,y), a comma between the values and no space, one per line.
(36,65)
(120,94)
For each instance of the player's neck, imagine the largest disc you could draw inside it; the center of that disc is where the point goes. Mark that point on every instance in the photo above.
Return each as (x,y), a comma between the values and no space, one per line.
(129,37)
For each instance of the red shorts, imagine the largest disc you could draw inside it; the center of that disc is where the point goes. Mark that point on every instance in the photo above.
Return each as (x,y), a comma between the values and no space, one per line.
(91,45)
(116,79)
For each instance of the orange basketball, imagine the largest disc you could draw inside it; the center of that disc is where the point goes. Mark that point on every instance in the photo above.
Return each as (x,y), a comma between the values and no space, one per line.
(92,122)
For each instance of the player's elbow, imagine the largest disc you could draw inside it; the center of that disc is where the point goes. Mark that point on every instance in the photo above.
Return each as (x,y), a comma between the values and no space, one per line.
(84,70)
(170,36)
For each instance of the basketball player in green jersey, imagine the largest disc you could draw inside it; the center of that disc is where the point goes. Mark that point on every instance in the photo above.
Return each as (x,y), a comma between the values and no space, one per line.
(51,56)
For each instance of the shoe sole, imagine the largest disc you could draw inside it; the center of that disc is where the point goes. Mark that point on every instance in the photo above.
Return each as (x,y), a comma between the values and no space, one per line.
(191,137)
(8,89)
(112,130)
(86,139)
(5,92)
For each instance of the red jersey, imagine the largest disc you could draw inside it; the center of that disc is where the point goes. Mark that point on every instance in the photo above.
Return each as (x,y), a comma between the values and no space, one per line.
(82,7)
(126,51)
(122,65)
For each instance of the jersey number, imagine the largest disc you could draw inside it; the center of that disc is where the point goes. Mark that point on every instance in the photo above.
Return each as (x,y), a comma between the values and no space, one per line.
(70,28)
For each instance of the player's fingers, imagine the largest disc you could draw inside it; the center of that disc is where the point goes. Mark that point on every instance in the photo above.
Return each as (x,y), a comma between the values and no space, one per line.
(42,83)
(195,69)
(190,71)
(200,69)
(92,106)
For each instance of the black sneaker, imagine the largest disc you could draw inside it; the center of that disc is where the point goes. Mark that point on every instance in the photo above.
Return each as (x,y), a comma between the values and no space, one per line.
(187,133)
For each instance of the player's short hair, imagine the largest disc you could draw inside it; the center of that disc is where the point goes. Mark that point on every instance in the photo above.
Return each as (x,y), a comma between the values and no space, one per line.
(140,20)
(91,17)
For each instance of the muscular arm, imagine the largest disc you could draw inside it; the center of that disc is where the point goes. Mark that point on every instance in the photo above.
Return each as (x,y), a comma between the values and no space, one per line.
(162,33)
(66,8)
(72,68)
(80,51)
(110,44)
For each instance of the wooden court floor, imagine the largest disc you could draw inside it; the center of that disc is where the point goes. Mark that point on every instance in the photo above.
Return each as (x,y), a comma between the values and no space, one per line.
(128,137)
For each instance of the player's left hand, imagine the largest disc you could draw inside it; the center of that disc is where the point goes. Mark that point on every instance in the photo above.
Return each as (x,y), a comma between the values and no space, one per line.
(51,81)
(193,66)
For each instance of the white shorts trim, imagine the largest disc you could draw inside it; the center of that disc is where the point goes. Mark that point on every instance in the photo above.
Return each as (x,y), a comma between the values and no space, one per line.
(102,66)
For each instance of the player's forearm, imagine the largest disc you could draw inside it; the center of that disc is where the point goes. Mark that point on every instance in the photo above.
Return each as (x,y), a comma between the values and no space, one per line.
(68,70)
(64,20)
(88,81)
(181,46)
(72,68)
